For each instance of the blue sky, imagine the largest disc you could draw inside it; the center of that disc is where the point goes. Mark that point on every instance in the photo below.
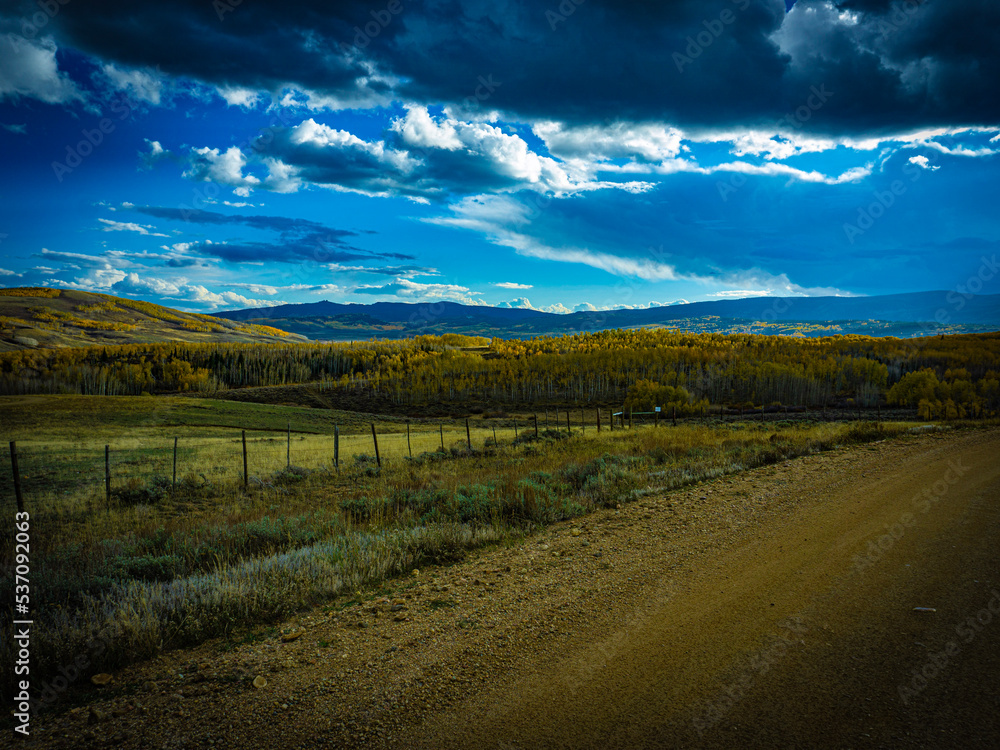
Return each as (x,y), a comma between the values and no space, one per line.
(575,155)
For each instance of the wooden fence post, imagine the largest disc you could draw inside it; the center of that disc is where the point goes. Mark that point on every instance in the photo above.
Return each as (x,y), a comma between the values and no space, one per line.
(762,417)
(631,424)
(246,476)
(107,474)
(288,448)
(175,465)
(468,435)
(336,447)
(515,429)
(409,448)
(378,458)
(656,417)
(546,419)
(583,422)
(569,429)
(674,415)
(17,476)
(536,426)
(441,427)
(495,443)
(598,420)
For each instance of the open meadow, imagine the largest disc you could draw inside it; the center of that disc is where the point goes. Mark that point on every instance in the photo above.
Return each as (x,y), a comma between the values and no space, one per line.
(164,565)
(209,591)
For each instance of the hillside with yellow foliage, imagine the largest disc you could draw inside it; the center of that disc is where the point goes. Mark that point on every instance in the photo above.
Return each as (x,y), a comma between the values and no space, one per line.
(36,317)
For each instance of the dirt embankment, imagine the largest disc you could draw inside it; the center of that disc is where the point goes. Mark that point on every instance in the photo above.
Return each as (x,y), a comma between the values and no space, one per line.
(773,609)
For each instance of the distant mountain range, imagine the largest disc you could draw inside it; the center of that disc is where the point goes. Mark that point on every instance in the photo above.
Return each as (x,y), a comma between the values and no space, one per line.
(36,317)
(904,315)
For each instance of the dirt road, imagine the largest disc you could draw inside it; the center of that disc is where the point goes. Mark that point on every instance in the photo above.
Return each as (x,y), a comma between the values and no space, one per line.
(772,609)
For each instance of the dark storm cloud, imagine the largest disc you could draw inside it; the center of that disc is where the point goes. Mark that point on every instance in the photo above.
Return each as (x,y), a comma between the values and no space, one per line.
(318,247)
(183,262)
(605,60)
(584,60)
(900,64)
(281,224)
(259,44)
(398,271)
(310,248)
(871,6)
(961,43)
(300,238)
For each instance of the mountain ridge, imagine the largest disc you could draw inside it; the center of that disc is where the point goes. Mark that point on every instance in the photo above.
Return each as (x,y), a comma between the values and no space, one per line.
(914,313)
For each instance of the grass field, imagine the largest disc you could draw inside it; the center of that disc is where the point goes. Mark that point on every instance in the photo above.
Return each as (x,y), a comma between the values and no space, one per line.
(61,441)
(161,566)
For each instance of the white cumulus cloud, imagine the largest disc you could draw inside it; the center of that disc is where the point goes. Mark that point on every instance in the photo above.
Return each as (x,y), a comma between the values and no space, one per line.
(123,226)
(29,69)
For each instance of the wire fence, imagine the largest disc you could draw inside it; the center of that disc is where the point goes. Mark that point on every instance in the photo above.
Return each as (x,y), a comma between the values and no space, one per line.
(53,475)
(62,477)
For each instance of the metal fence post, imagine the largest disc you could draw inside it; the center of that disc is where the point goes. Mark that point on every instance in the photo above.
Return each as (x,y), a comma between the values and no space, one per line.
(107,474)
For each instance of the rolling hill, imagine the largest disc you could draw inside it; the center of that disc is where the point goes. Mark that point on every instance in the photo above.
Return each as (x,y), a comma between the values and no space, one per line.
(38,317)
(902,315)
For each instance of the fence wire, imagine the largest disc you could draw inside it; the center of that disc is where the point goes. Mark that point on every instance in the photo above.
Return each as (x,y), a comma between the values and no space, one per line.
(58,475)
(63,476)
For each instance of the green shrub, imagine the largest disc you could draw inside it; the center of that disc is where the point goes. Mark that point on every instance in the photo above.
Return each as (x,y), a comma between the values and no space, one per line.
(553,435)
(427,457)
(137,492)
(611,486)
(473,504)
(291,475)
(579,477)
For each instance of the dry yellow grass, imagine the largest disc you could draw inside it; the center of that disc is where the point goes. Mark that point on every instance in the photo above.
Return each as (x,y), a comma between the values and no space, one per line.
(161,567)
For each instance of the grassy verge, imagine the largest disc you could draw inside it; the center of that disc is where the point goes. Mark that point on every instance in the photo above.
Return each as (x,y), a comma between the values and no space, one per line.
(161,570)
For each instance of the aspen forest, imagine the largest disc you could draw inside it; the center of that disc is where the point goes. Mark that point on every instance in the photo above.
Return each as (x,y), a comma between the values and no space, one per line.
(942,377)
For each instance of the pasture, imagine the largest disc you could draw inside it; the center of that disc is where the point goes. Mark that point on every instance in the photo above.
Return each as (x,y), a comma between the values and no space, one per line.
(162,566)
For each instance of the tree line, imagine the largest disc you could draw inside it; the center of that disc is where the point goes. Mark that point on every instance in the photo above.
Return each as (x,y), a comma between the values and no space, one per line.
(942,375)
